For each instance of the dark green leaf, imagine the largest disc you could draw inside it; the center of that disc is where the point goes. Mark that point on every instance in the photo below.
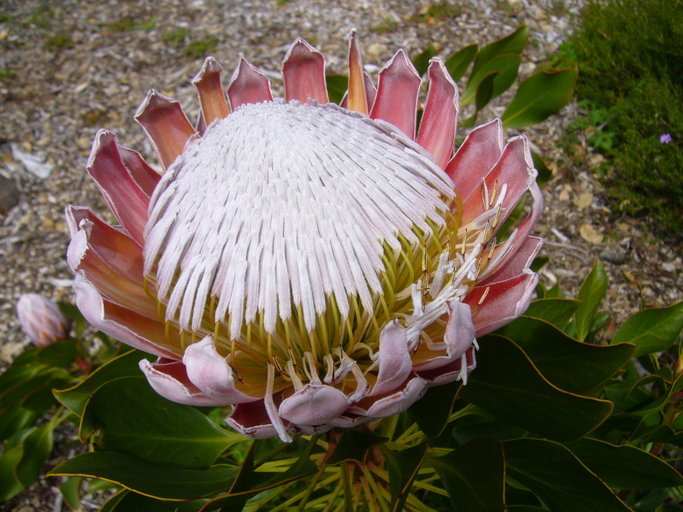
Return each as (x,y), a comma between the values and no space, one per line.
(556,311)
(652,330)
(540,96)
(155,480)
(504,67)
(135,419)
(625,467)
(15,419)
(514,43)
(660,402)
(61,354)
(126,501)
(432,410)
(551,472)
(125,365)
(544,174)
(37,447)
(508,385)
(485,90)
(9,483)
(570,365)
(353,445)
(458,63)
(590,296)
(70,490)
(403,467)
(421,62)
(336,87)
(474,476)
(248,482)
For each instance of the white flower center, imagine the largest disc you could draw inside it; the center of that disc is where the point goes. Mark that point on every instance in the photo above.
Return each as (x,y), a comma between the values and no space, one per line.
(281,206)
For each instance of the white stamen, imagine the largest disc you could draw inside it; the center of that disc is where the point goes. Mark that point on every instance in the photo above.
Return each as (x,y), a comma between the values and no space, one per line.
(280,205)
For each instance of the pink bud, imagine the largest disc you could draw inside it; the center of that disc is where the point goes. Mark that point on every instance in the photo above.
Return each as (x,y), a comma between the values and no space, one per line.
(41,319)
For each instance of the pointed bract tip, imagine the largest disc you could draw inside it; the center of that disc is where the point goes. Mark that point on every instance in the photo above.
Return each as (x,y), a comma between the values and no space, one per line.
(209,67)
(153,100)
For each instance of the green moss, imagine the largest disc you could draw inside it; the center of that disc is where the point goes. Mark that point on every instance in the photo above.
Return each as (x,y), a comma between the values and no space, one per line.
(201,47)
(7,73)
(130,23)
(437,11)
(630,57)
(387,26)
(176,37)
(58,42)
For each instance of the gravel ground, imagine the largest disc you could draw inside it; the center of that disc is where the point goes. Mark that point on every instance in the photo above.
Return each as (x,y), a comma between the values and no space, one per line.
(68,68)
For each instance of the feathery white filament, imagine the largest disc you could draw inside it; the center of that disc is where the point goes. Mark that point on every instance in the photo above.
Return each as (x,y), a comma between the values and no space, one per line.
(279,206)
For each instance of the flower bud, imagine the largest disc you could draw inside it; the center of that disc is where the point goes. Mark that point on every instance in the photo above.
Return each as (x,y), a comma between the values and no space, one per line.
(41,319)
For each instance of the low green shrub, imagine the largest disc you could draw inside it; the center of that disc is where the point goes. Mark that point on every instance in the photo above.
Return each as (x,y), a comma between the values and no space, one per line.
(630,57)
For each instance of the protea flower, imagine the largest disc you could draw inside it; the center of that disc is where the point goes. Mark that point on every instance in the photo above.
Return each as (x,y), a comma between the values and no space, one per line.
(311,265)
(41,320)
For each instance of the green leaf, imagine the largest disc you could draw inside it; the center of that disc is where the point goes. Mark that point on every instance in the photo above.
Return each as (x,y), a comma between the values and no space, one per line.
(504,67)
(544,174)
(485,91)
(625,467)
(403,467)
(61,354)
(336,87)
(125,365)
(37,447)
(514,43)
(474,476)
(353,445)
(135,419)
(154,480)
(458,63)
(70,490)
(432,410)
(421,62)
(249,482)
(570,365)
(590,296)
(550,471)
(9,483)
(652,330)
(540,96)
(507,384)
(15,419)
(556,311)
(126,501)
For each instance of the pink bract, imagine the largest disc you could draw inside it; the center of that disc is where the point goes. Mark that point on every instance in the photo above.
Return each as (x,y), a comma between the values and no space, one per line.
(311,265)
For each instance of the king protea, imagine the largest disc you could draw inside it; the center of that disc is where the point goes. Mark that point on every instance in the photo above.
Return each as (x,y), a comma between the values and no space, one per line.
(312,265)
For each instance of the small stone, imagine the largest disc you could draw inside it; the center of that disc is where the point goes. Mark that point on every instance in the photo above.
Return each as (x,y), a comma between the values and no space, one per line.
(590,234)
(583,200)
(376,49)
(615,257)
(9,194)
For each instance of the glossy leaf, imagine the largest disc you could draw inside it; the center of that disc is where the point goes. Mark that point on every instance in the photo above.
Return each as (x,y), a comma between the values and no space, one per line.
(458,63)
(37,447)
(125,365)
(554,310)
(514,43)
(652,330)
(135,419)
(474,476)
(625,467)
(15,419)
(421,62)
(432,410)
(403,467)
(353,445)
(544,174)
(591,295)
(504,67)
(336,87)
(508,385)
(61,354)
(540,96)
(558,478)
(249,482)
(126,501)
(571,365)
(9,483)
(156,480)
(70,490)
